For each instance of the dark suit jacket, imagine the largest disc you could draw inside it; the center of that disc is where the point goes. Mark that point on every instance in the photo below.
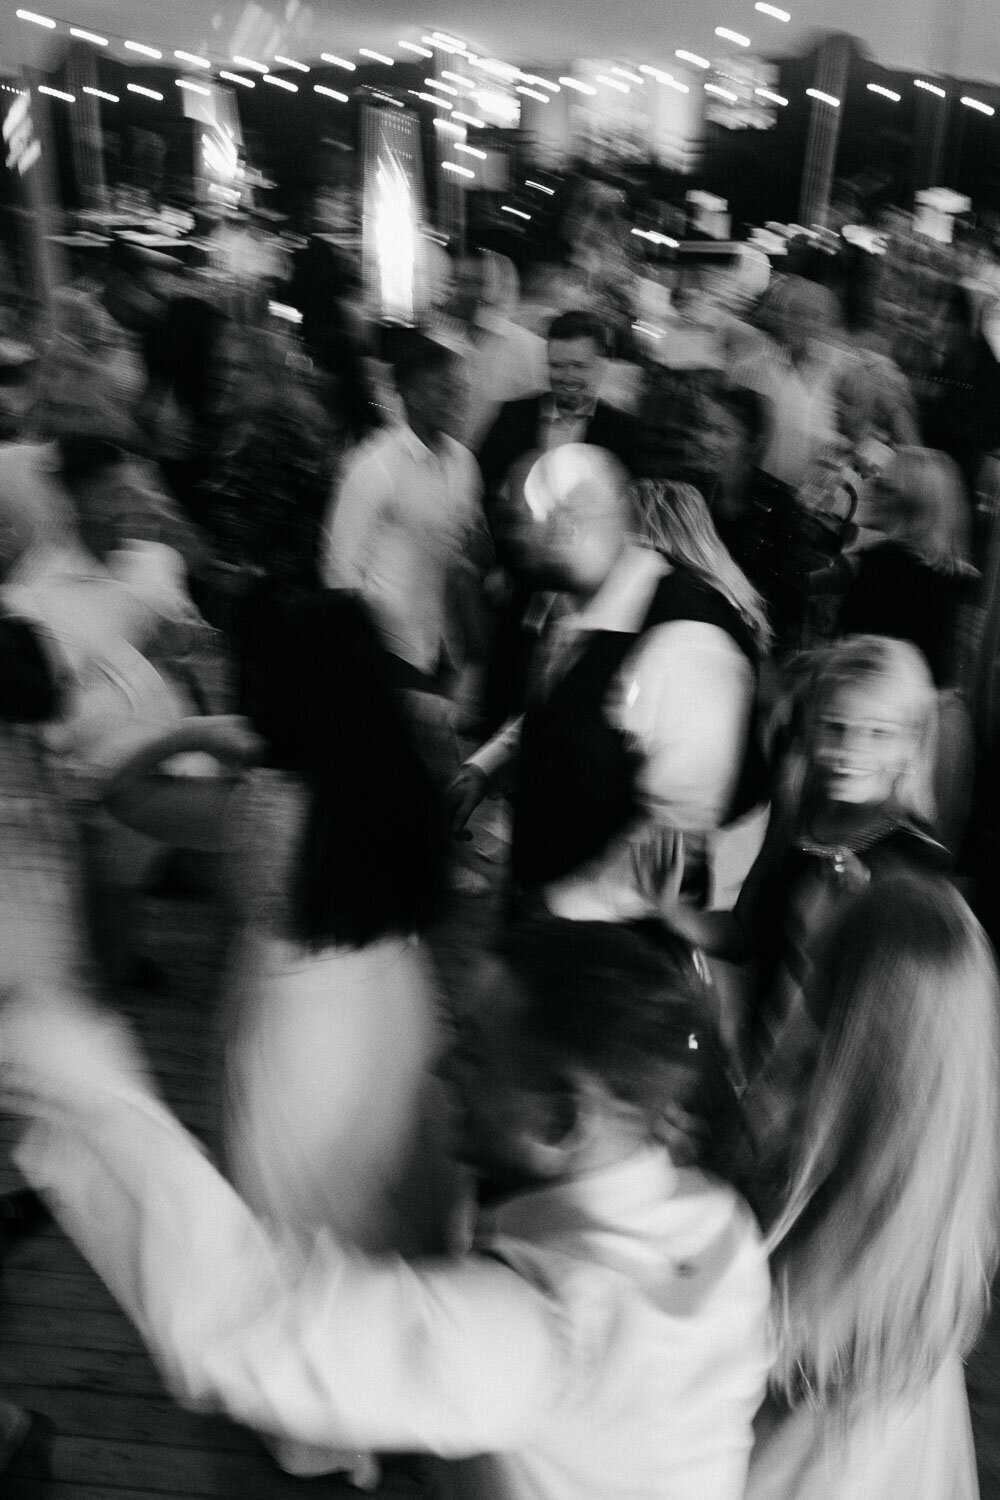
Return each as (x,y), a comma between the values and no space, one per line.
(517,430)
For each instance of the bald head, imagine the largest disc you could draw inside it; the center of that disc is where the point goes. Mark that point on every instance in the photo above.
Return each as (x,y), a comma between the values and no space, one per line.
(578,515)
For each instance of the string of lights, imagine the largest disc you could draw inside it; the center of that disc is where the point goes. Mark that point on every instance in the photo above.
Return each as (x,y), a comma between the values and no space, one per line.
(247,72)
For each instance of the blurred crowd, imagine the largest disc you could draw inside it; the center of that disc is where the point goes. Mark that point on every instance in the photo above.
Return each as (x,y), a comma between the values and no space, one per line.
(674,591)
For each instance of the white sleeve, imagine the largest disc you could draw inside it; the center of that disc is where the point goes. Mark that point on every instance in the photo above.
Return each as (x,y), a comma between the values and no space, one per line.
(498,753)
(455,1357)
(350,522)
(684,699)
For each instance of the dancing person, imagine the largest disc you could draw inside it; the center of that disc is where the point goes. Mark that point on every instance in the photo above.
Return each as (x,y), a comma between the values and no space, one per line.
(878,1191)
(406,531)
(911,582)
(639,701)
(851,806)
(333,850)
(605,1337)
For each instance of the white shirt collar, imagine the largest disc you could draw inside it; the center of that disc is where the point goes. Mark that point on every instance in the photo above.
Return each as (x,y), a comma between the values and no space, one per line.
(612,1195)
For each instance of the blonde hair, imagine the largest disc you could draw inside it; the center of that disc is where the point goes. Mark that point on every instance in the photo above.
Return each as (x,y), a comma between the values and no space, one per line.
(880,662)
(675,519)
(928,512)
(883,1254)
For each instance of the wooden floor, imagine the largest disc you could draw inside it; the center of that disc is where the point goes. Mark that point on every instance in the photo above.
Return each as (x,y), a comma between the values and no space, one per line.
(67,1351)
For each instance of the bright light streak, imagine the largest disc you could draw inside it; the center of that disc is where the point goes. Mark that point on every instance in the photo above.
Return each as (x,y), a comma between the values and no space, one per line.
(772,10)
(613,83)
(338,62)
(379,57)
(540,187)
(193,88)
(930,88)
(517,212)
(467,150)
(655,238)
(692,57)
(321,88)
(543,83)
(88,36)
(770,97)
(100,94)
(246,83)
(715,88)
(280,83)
(144,50)
(467,119)
(248,62)
(137,88)
(35,19)
(667,79)
(877,88)
(624,73)
(459,78)
(532,93)
(289,62)
(416,47)
(443,124)
(43,88)
(823,98)
(446,88)
(977,104)
(453,166)
(499,69)
(450,41)
(732,36)
(193,59)
(387,98)
(581,88)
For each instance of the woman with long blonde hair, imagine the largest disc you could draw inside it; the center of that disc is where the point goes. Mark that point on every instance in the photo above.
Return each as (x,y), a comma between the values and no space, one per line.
(675,519)
(884,1231)
(911,582)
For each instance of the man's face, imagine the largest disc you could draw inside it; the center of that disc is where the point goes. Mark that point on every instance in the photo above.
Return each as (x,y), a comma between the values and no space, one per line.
(574,372)
(577,540)
(434,399)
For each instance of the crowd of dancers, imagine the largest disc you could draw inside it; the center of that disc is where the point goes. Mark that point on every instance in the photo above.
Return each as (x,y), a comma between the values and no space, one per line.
(689,1186)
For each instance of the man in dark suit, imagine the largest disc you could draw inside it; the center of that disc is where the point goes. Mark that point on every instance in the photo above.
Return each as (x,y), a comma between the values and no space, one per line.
(569,412)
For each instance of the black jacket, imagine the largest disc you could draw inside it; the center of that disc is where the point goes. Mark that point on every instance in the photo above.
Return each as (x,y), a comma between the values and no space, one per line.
(518,430)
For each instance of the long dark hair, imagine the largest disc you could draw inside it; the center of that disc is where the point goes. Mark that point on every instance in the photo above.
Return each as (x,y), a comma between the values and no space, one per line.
(315,680)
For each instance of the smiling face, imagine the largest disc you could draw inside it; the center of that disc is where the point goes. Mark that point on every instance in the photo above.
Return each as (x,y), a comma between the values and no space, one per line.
(574,373)
(863,740)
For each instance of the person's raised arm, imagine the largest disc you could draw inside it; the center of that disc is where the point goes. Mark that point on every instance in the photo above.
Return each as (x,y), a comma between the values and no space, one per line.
(189,811)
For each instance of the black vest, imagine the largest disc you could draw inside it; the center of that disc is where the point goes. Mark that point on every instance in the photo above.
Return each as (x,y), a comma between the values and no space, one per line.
(576,787)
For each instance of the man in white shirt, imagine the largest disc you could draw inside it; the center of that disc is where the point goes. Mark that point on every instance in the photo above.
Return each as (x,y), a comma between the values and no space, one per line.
(796,374)
(605,1339)
(638,710)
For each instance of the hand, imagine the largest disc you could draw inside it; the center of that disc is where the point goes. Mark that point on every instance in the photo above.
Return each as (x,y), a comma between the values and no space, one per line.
(464,795)
(229,738)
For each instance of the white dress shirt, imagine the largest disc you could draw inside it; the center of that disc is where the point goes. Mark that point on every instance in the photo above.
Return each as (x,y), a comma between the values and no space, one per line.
(801,406)
(608,1340)
(683,699)
(398,531)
